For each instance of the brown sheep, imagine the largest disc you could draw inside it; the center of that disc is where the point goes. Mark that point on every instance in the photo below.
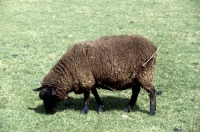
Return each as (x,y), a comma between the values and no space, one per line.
(113,62)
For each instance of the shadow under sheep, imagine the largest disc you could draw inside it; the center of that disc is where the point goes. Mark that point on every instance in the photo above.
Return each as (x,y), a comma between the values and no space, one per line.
(110,103)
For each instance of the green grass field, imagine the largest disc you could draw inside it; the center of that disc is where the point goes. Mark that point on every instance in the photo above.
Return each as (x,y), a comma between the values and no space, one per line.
(35,33)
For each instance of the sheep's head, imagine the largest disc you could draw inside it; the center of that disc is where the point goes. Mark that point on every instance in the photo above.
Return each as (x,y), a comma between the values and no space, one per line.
(48,95)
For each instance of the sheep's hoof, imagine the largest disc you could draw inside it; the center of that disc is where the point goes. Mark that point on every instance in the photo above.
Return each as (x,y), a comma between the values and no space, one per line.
(100,109)
(128,108)
(159,92)
(152,113)
(84,110)
(177,129)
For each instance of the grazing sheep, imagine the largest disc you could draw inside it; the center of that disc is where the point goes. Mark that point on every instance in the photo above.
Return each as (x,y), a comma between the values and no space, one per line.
(113,63)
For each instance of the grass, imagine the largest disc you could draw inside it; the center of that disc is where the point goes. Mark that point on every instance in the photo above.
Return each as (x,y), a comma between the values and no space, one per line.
(34,34)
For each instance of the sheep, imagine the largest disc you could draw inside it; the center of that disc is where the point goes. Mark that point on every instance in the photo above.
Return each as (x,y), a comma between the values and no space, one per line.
(110,62)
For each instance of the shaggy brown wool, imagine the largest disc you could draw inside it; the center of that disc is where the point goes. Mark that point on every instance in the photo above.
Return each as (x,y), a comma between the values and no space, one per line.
(113,61)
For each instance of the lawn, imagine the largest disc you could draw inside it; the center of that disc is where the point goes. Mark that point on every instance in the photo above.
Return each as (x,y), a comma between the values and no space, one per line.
(35,33)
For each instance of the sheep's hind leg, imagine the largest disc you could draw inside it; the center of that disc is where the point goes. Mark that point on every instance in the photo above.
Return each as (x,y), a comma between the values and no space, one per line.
(98,100)
(86,103)
(132,101)
(152,97)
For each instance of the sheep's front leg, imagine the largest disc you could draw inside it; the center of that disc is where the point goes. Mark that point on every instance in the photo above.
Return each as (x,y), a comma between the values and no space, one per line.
(132,101)
(86,103)
(98,100)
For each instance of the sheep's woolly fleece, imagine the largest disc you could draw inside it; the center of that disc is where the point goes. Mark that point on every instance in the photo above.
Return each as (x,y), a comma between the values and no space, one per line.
(114,61)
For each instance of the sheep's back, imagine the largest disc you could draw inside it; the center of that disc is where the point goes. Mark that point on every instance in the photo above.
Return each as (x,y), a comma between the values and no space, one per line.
(113,61)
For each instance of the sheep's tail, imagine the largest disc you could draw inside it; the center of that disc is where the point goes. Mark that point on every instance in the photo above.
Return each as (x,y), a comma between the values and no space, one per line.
(144,65)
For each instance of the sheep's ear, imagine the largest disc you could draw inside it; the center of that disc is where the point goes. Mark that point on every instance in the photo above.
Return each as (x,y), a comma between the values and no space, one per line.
(38,89)
(53,92)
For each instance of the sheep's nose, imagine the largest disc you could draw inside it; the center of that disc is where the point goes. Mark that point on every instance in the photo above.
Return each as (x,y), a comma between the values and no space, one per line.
(53,110)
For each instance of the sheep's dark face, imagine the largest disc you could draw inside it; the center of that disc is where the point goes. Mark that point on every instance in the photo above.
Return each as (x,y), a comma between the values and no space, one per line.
(49,98)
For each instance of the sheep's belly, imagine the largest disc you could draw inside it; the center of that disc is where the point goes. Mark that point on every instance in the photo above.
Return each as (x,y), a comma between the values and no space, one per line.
(116,84)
